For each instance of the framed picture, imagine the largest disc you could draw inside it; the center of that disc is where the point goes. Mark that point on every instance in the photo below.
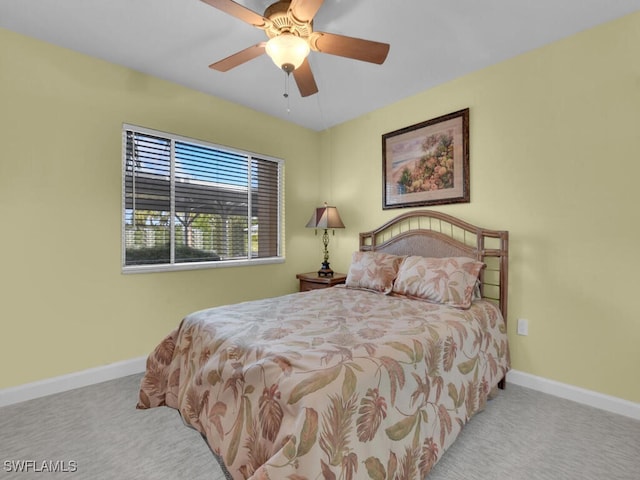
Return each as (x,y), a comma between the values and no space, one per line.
(427,163)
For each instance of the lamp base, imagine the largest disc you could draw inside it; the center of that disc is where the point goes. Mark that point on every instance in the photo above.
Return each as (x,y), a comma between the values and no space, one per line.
(325,271)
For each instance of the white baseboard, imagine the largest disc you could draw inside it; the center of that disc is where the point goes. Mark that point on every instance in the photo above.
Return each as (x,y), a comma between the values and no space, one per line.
(576,394)
(29,391)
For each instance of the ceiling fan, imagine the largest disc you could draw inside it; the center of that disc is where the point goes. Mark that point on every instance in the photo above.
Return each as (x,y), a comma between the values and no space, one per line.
(289,26)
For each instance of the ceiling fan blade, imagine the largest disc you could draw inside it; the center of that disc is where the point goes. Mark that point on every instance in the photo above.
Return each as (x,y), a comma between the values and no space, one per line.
(304,79)
(350,47)
(236,10)
(239,58)
(305,10)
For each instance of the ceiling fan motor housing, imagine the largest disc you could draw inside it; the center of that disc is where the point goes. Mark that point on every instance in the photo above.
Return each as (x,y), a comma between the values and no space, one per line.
(283,21)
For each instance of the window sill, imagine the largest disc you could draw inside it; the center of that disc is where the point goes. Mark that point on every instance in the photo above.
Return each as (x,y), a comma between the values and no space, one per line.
(129,269)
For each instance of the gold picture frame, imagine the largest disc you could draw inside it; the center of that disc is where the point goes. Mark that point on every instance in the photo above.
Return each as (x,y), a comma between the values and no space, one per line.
(427,163)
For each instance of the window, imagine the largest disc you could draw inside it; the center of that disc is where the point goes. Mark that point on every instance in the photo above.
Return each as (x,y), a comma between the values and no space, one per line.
(191,204)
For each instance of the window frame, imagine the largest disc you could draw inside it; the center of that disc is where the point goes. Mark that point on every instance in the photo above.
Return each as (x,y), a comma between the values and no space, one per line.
(171,265)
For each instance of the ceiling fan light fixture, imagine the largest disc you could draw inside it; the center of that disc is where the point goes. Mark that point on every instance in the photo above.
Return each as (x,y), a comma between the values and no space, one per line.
(287,51)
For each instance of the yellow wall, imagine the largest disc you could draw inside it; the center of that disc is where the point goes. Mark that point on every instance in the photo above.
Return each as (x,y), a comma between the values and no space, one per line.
(555,159)
(64,305)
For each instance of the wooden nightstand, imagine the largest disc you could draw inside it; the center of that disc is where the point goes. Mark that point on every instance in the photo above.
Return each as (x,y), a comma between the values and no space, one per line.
(312,281)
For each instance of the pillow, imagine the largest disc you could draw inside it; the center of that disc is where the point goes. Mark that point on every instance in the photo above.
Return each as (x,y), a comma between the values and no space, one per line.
(449,280)
(373,271)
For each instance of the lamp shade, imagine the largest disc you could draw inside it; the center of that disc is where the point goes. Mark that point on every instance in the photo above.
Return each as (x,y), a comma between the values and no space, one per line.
(325,217)
(287,51)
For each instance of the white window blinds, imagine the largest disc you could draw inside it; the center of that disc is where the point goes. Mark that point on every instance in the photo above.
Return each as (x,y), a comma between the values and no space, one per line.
(191,204)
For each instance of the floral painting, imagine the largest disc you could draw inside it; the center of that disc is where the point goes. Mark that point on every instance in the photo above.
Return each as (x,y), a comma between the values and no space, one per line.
(427,163)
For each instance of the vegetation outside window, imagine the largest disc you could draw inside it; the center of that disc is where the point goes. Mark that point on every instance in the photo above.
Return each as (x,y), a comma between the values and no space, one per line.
(191,204)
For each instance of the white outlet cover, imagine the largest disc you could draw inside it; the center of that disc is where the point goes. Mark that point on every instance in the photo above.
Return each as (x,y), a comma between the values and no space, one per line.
(523,326)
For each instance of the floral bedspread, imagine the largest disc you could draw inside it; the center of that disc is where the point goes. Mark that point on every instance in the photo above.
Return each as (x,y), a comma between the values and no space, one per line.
(329,384)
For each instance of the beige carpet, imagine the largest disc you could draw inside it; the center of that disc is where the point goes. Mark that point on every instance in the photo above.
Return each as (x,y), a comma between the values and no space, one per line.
(522,435)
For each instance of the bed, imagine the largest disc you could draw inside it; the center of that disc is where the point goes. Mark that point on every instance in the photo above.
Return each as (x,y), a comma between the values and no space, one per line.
(371,380)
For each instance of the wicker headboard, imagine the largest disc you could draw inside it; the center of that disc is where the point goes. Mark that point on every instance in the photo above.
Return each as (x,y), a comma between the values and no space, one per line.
(434,234)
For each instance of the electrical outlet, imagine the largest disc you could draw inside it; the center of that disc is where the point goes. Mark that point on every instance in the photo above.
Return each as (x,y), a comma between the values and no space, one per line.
(523,326)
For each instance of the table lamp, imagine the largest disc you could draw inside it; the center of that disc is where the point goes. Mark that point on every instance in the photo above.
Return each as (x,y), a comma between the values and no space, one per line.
(326,218)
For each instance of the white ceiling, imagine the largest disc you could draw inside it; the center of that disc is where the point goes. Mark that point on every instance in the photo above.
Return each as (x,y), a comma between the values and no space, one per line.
(432,41)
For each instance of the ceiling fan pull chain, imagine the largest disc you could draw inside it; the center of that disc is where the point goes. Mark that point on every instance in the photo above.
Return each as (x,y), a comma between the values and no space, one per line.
(286,91)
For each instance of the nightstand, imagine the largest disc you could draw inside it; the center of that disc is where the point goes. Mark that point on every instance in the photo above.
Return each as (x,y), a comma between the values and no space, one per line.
(312,281)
